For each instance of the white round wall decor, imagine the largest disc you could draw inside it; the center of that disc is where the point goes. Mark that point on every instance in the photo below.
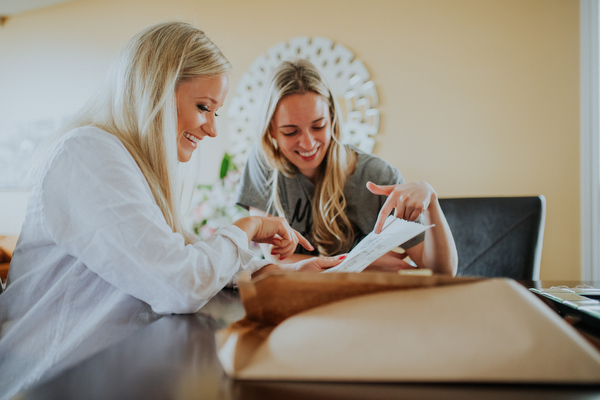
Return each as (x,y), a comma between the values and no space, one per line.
(347,76)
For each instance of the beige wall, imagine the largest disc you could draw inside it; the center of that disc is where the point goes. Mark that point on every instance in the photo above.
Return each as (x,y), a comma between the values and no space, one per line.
(478,97)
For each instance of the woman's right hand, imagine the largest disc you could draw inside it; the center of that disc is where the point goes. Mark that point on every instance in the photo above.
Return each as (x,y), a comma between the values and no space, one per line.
(408,199)
(275,231)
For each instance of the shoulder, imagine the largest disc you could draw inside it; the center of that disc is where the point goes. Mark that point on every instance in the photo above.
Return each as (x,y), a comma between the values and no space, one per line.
(92,146)
(85,136)
(257,170)
(86,148)
(256,159)
(255,181)
(371,161)
(370,167)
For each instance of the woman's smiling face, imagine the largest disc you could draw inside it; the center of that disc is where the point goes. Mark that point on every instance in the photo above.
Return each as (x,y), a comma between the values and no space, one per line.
(301,126)
(197,101)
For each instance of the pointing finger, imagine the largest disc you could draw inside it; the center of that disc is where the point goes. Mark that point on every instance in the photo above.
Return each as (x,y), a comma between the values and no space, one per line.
(382,190)
(386,210)
(304,242)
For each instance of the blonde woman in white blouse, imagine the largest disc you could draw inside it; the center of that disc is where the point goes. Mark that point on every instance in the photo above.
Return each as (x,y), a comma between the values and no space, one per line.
(103,239)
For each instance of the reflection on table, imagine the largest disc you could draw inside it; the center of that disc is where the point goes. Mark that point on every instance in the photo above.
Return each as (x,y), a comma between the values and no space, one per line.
(175,358)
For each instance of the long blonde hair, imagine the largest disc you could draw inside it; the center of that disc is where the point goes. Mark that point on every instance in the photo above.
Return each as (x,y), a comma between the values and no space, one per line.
(332,232)
(137,104)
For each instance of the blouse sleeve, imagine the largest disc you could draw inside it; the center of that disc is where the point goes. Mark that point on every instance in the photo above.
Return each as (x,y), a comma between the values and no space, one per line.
(99,208)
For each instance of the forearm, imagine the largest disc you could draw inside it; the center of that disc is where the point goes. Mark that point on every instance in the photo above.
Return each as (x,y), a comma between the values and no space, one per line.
(439,250)
(248,225)
(266,269)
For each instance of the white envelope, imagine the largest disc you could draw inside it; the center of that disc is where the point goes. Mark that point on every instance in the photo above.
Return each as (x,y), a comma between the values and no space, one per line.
(413,329)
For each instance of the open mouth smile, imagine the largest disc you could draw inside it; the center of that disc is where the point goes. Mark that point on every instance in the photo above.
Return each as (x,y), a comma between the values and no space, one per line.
(192,138)
(308,154)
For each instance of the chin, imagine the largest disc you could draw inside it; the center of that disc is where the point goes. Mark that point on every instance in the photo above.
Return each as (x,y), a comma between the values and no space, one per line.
(184,158)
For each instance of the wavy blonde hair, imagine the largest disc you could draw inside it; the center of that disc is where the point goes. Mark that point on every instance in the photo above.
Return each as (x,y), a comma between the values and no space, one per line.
(137,104)
(332,232)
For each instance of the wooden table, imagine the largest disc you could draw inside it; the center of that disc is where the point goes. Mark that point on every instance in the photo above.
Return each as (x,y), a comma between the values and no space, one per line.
(175,358)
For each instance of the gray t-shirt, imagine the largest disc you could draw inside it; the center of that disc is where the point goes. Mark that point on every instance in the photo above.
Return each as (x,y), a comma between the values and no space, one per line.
(296,194)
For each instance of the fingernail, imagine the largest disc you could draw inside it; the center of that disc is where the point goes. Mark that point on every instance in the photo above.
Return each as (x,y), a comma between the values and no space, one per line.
(281,258)
(341,257)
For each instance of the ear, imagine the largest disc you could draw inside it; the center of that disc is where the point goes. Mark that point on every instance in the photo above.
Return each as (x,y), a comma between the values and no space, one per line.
(273,140)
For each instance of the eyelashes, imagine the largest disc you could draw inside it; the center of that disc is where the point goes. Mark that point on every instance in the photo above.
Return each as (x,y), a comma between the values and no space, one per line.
(204,108)
(315,128)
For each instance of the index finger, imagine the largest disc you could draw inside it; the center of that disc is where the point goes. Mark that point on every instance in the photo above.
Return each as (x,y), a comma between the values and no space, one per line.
(303,241)
(385,211)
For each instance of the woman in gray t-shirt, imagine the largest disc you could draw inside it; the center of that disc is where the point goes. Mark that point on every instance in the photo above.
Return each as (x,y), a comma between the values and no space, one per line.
(325,189)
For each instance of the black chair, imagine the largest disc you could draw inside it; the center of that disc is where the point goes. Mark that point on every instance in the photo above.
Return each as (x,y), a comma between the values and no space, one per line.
(497,236)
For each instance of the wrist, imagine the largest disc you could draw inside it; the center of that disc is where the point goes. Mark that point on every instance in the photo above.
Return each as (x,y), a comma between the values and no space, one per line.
(433,197)
(266,269)
(248,225)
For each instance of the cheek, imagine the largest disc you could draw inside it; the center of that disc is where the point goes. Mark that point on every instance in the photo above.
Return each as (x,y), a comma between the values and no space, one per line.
(189,120)
(324,137)
(286,144)
(328,139)
(182,122)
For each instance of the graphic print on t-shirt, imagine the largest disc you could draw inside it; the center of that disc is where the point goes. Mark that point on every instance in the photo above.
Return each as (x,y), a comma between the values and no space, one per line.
(302,214)
(302,222)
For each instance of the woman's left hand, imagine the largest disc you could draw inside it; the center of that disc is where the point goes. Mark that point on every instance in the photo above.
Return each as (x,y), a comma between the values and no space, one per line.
(309,264)
(315,264)
(390,262)
(408,199)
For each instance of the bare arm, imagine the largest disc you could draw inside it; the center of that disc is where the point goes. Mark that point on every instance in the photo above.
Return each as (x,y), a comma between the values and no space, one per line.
(438,251)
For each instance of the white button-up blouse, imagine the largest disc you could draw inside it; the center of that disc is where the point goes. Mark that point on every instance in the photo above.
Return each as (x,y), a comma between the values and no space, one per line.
(95,251)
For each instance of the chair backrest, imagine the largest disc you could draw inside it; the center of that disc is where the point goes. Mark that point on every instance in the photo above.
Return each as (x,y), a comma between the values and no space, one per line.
(497,236)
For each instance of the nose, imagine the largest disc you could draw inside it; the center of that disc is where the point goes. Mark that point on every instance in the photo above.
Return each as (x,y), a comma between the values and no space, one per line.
(306,141)
(209,127)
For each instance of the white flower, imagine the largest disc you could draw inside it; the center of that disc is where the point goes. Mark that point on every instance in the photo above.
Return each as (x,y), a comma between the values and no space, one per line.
(216,205)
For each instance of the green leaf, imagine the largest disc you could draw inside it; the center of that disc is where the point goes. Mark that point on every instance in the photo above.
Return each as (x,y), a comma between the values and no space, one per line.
(226,165)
